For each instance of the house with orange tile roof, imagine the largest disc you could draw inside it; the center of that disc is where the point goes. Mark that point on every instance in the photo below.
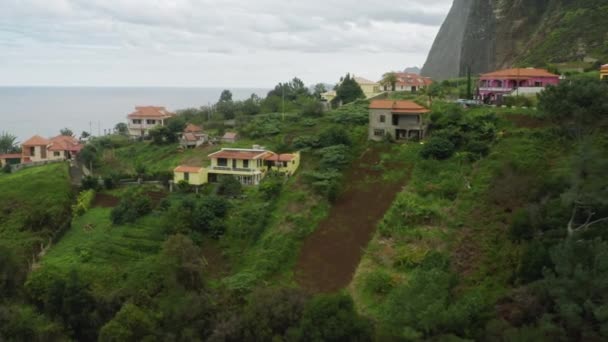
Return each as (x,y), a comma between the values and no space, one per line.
(493,86)
(61,147)
(248,166)
(144,118)
(410,82)
(193,136)
(398,119)
(230,137)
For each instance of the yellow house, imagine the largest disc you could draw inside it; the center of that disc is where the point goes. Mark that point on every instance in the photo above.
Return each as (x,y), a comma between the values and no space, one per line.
(370,88)
(286,163)
(193,175)
(604,72)
(248,166)
(328,95)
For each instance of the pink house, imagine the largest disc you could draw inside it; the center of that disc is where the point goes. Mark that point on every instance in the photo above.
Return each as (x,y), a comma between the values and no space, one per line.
(521,81)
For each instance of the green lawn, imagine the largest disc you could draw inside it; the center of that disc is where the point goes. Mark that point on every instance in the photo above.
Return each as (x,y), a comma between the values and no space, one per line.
(34,205)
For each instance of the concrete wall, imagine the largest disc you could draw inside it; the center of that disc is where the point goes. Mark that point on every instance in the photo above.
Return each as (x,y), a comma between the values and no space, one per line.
(198,178)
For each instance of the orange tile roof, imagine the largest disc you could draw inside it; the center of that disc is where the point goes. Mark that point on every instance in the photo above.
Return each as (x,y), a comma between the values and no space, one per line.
(150,112)
(279,157)
(520,73)
(190,128)
(190,137)
(411,79)
(398,106)
(188,169)
(604,67)
(36,140)
(64,143)
(239,154)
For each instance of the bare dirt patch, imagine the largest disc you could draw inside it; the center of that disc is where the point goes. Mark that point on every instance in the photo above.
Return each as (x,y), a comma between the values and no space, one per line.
(329,257)
(105,201)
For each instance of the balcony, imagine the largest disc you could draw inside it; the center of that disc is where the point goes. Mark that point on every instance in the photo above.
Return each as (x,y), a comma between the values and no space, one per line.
(232,169)
(496,89)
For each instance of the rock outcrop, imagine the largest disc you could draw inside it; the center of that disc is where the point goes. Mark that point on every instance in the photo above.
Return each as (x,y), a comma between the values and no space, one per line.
(490,34)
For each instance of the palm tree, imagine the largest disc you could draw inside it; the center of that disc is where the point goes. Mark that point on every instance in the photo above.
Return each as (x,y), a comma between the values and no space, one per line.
(390,78)
(8,143)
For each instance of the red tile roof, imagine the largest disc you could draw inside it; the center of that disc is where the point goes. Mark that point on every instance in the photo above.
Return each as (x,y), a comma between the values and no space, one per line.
(36,140)
(239,154)
(10,156)
(519,73)
(151,112)
(190,137)
(190,128)
(398,106)
(604,67)
(188,169)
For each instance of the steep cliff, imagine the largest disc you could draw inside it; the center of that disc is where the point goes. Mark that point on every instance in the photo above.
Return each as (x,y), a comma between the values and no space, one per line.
(491,34)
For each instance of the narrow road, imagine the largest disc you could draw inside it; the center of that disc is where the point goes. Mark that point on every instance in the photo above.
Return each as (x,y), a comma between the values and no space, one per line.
(76,173)
(330,256)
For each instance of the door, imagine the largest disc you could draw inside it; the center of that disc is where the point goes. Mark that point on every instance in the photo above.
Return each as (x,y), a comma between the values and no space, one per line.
(43,152)
(234,163)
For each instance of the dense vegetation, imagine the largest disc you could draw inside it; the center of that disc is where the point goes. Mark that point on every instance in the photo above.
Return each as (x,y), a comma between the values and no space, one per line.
(499,233)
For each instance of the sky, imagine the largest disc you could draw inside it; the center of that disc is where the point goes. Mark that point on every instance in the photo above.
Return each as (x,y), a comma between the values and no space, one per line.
(211,43)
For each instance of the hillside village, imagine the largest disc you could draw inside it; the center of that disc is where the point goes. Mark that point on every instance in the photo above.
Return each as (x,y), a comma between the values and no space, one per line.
(364,200)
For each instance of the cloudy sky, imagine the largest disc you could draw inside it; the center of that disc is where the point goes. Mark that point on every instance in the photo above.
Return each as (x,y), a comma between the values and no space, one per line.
(219,43)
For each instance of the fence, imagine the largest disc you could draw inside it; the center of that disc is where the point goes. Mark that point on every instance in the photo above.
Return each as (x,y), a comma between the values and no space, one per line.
(17,167)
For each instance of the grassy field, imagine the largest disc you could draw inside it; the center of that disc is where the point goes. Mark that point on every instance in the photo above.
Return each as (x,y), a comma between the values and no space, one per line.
(35,204)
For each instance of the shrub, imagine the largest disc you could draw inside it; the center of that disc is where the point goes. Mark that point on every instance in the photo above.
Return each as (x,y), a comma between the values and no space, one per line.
(229,186)
(271,187)
(305,141)
(334,136)
(478,148)
(521,228)
(438,148)
(378,282)
(334,157)
(131,207)
(6,168)
(109,182)
(83,202)
(89,182)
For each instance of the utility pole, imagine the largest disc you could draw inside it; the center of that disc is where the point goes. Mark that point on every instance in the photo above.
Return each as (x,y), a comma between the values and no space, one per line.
(468,82)
(283,101)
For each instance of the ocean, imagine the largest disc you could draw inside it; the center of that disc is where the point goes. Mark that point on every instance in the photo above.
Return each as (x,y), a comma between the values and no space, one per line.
(25,111)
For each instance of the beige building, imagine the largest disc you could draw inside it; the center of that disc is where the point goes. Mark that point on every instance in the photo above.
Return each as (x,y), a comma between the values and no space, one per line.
(60,147)
(143,119)
(370,88)
(401,120)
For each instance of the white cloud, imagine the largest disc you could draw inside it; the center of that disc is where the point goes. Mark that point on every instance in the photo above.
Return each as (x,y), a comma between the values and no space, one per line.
(229,42)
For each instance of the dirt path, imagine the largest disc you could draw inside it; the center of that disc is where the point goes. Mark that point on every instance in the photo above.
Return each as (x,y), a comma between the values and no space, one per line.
(329,256)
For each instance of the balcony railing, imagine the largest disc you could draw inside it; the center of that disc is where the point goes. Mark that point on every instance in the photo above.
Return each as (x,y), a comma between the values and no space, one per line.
(501,89)
(237,169)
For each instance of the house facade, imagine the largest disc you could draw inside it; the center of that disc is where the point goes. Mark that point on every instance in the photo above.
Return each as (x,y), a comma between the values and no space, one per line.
(144,118)
(495,85)
(370,88)
(399,119)
(409,82)
(604,72)
(60,147)
(230,137)
(193,136)
(248,166)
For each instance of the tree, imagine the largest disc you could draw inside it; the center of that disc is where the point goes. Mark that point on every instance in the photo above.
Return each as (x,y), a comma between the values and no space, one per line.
(433,90)
(66,132)
(229,186)
(121,128)
(131,323)
(11,272)
(438,147)
(183,262)
(226,96)
(251,106)
(319,89)
(8,143)
(389,79)
(348,90)
(332,318)
(84,135)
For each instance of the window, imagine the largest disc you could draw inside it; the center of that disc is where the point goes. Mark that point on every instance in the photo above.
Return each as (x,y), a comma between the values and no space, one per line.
(186,176)
(538,84)
(378,132)
(151,122)
(222,162)
(136,121)
(245,164)
(234,163)
(32,151)
(382,118)
(57,153)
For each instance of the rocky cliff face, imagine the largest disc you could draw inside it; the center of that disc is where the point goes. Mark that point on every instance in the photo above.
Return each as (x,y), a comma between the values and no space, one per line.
(490,34)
